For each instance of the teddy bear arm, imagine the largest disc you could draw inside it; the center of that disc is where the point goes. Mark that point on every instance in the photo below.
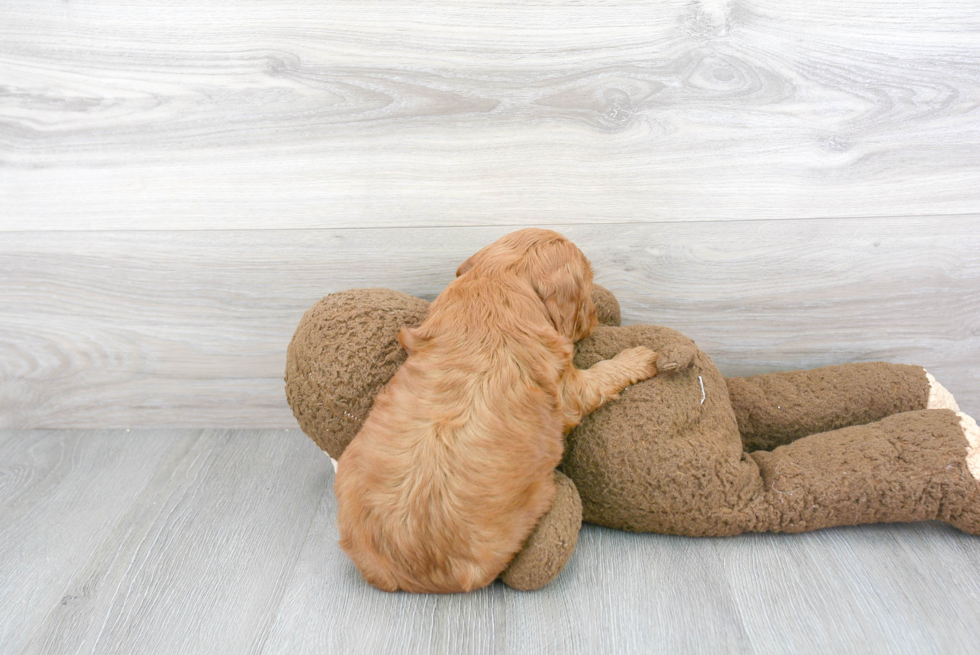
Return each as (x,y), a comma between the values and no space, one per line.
(778,408)
(676,357)
(552,542)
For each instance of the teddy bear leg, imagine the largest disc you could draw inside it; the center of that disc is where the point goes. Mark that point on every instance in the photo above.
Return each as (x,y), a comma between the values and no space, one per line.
(778,408)
(552,543)
(914,466)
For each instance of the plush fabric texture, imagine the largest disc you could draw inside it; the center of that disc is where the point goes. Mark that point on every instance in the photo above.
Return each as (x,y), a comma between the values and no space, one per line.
(343,351)
(778,408)
(606,306)
(551,544)
(686,452)
(661,460)
(906,467)
(658,459)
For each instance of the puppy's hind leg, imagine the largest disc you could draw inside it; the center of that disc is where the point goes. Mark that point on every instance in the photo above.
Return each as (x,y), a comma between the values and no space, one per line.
(586,391)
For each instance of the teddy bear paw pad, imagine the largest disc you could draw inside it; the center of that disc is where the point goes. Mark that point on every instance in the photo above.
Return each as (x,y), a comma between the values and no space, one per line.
(939,396)
(972,433)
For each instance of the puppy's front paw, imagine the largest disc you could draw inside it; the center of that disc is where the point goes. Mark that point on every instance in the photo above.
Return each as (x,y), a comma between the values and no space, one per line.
(641,363)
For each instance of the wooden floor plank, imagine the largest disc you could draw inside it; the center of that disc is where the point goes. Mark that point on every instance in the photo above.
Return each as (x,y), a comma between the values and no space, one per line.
(890,588)
(61,495)
(630,593)
(884,588)
(230,545)
(190,328)
(620,593)
(328,608)
(199,563)
(431,113)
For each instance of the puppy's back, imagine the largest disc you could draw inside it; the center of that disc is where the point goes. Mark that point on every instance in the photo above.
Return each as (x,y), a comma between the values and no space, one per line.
(453,466)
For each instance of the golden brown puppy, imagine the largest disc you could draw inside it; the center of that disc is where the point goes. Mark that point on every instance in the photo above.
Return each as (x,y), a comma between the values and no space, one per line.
(454,465)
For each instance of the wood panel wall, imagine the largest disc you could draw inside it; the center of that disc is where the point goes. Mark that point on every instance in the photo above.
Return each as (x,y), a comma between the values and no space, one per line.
(792,184)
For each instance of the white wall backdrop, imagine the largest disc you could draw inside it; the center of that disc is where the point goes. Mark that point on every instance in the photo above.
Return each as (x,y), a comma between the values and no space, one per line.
(790,183)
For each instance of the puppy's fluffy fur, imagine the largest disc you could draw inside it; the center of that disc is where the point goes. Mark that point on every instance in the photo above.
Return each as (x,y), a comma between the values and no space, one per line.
(454,465)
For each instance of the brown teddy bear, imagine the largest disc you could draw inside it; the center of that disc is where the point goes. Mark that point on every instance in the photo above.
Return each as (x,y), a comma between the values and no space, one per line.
(687,452)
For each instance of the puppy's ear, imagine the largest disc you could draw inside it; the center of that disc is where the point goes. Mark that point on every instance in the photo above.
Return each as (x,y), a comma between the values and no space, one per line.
(556,305)
(586,318)
(478,256)
(565,296)
(562,278)
(466,266)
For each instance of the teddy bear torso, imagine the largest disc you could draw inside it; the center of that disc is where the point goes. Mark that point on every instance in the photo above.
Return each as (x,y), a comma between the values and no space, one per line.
(639,462)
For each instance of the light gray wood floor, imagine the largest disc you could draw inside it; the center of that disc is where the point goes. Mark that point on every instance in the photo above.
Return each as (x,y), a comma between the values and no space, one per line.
(190,541)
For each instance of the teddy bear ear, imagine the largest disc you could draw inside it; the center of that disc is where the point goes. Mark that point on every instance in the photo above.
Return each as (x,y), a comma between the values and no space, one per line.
(606,306)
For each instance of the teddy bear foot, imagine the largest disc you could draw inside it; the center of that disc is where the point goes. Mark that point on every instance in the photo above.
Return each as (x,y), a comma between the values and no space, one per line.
(939,397)
(966,515)
(972,433)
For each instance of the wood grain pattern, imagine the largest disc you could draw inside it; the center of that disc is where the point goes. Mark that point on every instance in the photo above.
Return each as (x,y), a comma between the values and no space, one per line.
(890,588)
(327,608)
(191,328)
(61,495)
(119,115)
(870,591)
(659,594)
(200,561)
(227,543)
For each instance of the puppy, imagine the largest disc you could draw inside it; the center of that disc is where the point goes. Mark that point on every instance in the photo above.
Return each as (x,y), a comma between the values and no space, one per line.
(454,465)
